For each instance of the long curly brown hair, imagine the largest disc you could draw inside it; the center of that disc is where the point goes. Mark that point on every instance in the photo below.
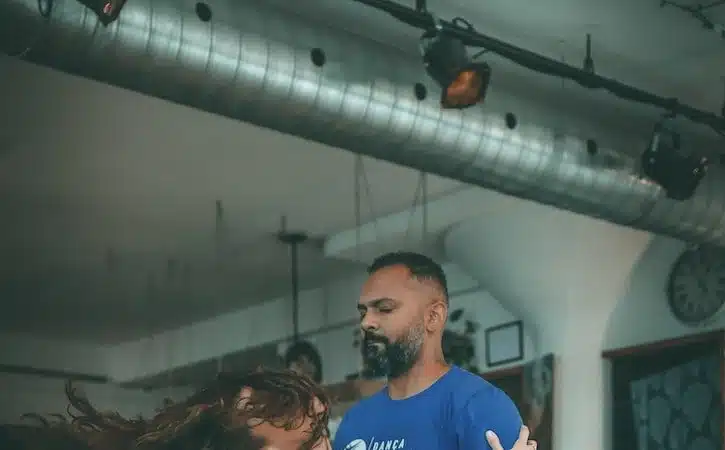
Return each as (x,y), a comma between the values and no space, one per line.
(217,417)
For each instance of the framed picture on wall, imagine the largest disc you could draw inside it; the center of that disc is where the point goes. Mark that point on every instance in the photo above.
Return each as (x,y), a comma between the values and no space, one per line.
(504,343)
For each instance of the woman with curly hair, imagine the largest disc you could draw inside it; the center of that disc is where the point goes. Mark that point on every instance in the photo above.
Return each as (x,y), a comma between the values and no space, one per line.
(261,410)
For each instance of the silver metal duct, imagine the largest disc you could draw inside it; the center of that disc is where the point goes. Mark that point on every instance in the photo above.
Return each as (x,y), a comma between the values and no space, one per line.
(255,65)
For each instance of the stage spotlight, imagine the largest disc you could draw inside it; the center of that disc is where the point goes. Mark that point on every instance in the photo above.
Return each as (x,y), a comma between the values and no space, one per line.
(664,162)
(464,82)
(106,10)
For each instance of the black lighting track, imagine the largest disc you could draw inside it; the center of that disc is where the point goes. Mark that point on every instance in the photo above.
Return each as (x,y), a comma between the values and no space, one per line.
(420,18)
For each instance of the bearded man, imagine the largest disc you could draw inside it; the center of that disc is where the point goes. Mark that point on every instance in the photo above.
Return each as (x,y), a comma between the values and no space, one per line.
(427,404)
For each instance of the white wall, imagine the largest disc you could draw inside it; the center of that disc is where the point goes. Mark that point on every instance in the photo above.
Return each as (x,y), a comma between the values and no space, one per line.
(642,314)
(29,351)
(327,306)
(480,306)
(581,286)
(330,306)
(334,306)
(21,394)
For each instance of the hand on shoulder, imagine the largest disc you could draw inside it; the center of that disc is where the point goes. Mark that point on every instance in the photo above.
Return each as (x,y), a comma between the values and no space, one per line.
(522,443)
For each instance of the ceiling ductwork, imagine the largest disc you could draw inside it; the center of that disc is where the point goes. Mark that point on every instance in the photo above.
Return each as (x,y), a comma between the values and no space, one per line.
(263,67)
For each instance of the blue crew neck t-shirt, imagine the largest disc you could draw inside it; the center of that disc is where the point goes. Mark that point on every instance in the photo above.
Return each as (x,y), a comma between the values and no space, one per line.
(454,413)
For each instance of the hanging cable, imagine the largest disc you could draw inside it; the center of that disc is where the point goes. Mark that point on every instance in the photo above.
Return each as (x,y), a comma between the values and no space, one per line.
(542,64)
(424,201)
(170,385)
(369,197)
(294,269)
(362,183)
(358,212)
(414,206)
(293,240)
(358,244)
(169,361)
(220,238)
(420,201)
(149,325)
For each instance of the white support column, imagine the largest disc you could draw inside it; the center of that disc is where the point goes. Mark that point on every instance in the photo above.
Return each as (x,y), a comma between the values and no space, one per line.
(563,275)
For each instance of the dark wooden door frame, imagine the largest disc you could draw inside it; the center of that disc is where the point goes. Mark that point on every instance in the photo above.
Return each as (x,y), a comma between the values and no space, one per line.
(502,373)
(651,347)
(715,337)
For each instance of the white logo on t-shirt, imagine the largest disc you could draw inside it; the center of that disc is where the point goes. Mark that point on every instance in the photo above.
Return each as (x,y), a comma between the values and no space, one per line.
(357,444)
(390,444)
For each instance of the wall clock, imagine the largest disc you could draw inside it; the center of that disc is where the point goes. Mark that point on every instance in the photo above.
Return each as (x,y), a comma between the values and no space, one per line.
(696,287)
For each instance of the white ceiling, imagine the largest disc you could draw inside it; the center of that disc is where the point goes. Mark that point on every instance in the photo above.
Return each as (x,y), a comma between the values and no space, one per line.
(100,188)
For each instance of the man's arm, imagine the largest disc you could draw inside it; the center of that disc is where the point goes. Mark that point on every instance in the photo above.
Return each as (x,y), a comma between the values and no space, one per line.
(488,409)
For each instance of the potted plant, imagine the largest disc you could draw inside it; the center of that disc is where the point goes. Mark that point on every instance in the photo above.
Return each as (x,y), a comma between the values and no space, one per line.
(459,347)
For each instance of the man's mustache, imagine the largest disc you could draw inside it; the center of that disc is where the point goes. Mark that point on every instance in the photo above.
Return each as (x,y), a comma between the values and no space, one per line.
(372,338)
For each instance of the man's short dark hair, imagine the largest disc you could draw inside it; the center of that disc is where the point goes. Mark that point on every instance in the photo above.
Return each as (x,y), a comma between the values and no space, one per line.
(420,266)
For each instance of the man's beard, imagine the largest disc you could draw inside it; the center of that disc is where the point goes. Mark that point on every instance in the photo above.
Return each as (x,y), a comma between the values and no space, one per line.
(392,359)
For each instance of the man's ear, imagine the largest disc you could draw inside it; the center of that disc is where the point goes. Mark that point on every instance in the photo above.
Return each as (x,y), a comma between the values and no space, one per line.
(437,313)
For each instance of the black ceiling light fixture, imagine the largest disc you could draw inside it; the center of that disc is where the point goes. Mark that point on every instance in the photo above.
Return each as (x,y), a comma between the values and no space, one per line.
(673,168)
(106,10)
(463,82)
